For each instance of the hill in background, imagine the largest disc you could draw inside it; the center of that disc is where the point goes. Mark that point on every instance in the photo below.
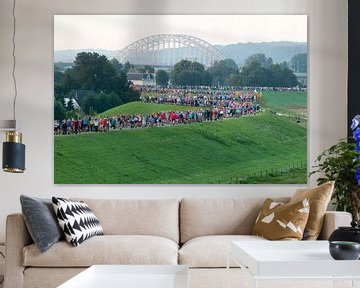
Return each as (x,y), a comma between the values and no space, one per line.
(279,51)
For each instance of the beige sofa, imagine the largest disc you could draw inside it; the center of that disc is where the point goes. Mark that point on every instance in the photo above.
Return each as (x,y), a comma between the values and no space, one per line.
(194,232)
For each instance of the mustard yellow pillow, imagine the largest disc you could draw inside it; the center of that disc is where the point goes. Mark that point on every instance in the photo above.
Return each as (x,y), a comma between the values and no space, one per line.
(279,221)
(319,198)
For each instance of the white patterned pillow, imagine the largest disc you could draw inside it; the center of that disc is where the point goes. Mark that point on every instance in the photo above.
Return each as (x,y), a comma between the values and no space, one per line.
(77,220)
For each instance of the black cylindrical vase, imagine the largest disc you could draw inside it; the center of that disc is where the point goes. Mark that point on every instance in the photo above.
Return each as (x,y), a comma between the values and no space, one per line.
(13,153)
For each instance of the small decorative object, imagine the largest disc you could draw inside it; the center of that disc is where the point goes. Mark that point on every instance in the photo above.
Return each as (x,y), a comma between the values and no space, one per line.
(341,163)
(344,250)
(344,233)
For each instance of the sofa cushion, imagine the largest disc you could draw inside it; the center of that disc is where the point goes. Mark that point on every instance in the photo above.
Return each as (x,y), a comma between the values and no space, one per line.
(158,217)
(201,217)
(77,220)
(107,249)
(211,251)
(41,221)
(279,221)
(319,198)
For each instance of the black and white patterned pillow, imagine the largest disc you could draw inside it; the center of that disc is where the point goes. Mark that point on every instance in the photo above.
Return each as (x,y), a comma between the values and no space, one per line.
(77,220)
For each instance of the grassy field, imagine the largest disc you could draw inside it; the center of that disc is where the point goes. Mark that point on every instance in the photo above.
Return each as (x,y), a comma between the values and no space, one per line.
(291,103)
(292,176)
(200,153)
(140,108)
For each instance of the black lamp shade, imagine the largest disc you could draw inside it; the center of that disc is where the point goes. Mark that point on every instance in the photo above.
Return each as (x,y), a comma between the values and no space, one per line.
(13,157)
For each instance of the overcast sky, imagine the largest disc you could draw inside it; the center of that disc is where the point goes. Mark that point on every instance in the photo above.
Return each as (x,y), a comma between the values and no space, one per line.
(115,32)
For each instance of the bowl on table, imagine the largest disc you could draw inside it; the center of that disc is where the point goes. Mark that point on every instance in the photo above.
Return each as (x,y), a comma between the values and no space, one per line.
(344,250)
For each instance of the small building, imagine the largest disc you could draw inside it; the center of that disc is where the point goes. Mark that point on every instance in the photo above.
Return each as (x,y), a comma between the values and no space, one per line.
(74,102)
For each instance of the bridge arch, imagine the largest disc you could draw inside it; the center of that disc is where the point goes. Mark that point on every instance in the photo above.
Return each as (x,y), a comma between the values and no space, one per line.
(168,49)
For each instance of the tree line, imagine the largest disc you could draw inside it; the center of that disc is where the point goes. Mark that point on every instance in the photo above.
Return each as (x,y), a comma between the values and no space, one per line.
(258,70)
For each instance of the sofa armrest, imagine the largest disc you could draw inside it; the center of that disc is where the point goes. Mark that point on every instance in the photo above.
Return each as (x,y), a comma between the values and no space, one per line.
(17,237)
(333,220)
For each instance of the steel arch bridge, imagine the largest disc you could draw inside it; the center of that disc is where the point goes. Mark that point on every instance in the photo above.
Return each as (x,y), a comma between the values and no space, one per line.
(168,49)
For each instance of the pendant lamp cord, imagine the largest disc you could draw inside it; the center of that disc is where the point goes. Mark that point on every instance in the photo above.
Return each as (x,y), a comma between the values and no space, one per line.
(14,60)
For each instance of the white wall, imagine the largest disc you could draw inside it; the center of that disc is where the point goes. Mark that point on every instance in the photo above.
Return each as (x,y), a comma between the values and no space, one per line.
(327,89)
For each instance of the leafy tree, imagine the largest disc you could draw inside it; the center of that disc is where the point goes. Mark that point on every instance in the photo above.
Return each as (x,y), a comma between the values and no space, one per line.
(197,67)
(222,69)
(282,77)
(207,78)
(184,77)
(255,75)
(129,96)
(118,67)
(162,77)
(182,66)
(298,63)
(89,103)
(120,83)
(59,91)
(71,115)
(94,72)
(59,111)
(64,82)
(233,80)
(58,75)
(186,72)
(127,67)
(261,59)
(274,75)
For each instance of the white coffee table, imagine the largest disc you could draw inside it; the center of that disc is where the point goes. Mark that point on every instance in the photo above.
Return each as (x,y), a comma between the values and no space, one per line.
(293,260)
(131,276)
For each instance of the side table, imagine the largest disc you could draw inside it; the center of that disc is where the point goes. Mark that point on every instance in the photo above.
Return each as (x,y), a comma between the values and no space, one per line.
(295,264)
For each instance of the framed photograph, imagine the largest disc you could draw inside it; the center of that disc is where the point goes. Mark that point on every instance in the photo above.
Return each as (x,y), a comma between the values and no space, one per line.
(180,99)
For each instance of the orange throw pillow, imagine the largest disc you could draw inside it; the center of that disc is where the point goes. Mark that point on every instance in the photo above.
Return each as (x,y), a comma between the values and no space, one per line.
(319,198)
(279,221)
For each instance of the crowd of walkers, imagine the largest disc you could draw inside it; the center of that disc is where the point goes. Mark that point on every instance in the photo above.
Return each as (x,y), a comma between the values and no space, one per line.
(94,124)
(198,96)
(203,100)
(201,104)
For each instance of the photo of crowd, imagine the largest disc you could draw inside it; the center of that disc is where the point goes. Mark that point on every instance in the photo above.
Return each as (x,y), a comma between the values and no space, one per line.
(203,105)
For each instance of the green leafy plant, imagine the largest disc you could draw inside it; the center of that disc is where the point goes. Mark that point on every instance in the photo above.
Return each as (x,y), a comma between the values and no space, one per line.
(340,163)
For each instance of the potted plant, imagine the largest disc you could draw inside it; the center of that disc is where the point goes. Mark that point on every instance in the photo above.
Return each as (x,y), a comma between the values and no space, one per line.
(341,163)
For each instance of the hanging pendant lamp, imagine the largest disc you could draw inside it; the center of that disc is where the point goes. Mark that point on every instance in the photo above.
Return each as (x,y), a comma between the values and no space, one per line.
(13,149)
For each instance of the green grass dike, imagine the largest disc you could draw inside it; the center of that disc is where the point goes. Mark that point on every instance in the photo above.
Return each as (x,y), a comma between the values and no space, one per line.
(140,108)
(290,103)
(199,153)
